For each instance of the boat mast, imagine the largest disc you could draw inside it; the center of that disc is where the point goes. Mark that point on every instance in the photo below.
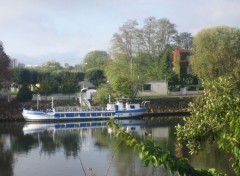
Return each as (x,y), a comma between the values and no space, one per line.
(52,102)
(38,98)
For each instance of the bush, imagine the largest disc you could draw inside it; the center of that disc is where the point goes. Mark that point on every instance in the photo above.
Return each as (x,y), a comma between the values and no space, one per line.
(24,94)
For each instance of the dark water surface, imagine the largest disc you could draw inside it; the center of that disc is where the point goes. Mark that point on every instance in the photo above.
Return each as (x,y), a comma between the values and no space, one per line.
(78,149)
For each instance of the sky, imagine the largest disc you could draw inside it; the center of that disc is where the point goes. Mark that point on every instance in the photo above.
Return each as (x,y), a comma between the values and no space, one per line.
(36,31)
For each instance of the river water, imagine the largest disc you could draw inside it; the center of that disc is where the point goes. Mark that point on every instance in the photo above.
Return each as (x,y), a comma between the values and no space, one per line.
(83,148)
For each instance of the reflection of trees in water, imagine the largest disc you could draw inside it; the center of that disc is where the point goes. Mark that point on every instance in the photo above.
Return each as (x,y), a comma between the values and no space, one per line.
(21,143)
(49,146)
(125,160)
(101,137)
(209,156)
(6,161)
(71,145)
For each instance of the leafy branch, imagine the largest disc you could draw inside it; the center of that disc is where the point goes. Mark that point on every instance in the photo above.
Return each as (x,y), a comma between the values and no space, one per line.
(154,155)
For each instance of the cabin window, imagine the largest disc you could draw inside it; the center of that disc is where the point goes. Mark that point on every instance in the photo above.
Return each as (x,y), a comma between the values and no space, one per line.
(76,125)
(132,107)
(146,87)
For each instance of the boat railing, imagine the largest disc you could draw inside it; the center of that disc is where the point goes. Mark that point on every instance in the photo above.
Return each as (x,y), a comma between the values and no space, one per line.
(78,109)
(143,104)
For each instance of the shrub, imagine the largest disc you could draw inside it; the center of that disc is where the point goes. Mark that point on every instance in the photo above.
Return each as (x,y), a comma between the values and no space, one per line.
(24,94)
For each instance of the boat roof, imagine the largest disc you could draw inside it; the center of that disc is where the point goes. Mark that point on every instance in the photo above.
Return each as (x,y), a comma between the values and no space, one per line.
(121,99)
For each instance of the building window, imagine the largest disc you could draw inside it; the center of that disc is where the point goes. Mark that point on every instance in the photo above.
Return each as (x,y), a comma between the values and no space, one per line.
(146,87)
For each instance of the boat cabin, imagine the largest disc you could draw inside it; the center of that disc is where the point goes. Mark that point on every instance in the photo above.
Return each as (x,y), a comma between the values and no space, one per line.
(122,104)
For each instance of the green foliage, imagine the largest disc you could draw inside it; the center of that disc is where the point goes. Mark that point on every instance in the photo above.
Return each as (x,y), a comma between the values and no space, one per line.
(96,59)
(123,86)
(102,96)
(24,94)
(216,51)
(51,66)
(141,54)
(154,155)
(215,116)
(21,75)
(95,76)
(48,86)
(4,67)
(69,83)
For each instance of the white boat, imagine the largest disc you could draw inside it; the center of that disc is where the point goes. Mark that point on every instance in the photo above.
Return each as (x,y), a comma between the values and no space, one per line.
(122,108)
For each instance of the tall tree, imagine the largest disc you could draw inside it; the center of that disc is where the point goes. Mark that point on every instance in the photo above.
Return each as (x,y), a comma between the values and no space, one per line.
(139,53)
(4,67)
(166,32)
(216,52)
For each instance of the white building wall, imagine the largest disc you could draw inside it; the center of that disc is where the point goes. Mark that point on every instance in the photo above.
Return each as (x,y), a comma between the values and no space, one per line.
(156,88)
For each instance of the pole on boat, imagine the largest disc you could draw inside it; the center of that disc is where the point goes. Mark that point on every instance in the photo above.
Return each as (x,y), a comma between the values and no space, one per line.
(38,98)
(52,102)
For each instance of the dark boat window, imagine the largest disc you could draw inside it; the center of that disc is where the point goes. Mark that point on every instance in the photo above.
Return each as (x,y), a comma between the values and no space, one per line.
(132,107)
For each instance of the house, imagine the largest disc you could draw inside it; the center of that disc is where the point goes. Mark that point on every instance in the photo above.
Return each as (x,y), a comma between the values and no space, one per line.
(181,59)
(154,88)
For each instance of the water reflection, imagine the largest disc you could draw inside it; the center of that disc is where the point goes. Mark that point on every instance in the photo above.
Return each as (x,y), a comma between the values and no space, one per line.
(6,158)
(54,149)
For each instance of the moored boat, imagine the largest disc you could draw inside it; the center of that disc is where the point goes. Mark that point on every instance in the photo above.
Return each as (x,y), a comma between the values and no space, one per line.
(122,108)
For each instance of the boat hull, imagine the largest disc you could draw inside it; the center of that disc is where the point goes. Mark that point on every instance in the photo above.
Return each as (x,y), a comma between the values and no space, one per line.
(30,115)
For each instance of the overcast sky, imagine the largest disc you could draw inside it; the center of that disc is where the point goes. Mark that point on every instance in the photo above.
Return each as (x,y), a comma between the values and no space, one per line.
(35,31)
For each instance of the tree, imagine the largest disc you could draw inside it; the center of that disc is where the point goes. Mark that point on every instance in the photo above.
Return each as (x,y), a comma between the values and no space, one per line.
(4,67)
(96,59)
(216,52)
(69,83)
(96,76)
(184,40)
(214,116)
(165,34)
(24,94)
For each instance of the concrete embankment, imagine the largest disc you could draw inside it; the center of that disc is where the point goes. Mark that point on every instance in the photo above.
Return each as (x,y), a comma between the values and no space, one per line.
(11,111)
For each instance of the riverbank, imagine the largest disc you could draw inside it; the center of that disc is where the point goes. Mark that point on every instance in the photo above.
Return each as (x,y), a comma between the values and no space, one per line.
(11,111)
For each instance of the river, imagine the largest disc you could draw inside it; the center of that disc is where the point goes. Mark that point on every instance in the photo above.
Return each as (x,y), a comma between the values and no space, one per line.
(84,148)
